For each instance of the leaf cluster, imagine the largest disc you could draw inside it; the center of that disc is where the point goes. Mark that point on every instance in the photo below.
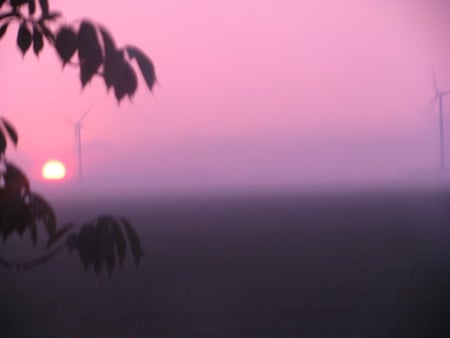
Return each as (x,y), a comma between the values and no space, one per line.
(105,241)
(95,48)
(22,210)
(101,242)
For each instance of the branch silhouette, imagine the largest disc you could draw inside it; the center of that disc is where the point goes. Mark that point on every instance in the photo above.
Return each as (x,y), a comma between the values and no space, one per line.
(96,57)
(106,239)
(23,266)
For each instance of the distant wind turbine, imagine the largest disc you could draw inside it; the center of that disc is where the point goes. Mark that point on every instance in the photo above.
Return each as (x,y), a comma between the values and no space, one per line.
(439,97)
(78,126)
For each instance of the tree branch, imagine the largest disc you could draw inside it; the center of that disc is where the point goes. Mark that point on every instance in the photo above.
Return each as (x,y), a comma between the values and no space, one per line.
(9,14)
(10,266)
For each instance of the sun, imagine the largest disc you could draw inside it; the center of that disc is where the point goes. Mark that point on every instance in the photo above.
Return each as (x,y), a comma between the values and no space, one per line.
(53,170)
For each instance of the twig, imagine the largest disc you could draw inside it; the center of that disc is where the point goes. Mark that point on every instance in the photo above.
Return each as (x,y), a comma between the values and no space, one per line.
(30,264)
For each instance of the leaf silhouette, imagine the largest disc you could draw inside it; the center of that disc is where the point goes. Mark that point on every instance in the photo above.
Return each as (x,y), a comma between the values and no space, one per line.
(113,62)
(72,242)
(133,239)
(38,41)
(105,245)
(86,244)
(44,7)
(120,242)
(15,180)
(89,52)
(18,3)
(24,38)
(105,235)
(13,213)
(3,29)
(51,16)
(31,7)
(145,65)
(47,32)
(42,211)
(126,83)
(2,142)
(58,234)
(66,43)
(33,233)
(11,131)
(108,41)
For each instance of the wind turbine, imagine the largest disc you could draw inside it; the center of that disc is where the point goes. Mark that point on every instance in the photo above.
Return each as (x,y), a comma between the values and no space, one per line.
(439,97)
(78,126)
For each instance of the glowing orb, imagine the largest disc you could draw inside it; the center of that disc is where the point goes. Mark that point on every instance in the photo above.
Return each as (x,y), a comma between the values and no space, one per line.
(53,170)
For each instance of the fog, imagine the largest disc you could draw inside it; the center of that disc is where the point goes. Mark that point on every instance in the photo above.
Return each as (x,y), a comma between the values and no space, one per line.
(251,95)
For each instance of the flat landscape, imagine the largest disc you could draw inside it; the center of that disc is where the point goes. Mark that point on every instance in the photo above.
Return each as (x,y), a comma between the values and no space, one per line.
(350,264)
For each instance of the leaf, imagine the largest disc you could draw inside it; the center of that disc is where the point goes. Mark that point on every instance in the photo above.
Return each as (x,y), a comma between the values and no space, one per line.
(89,52)
(47,32)
(108,41)
(44,7)
(113,66)
(120,242)
(21,225)
(31,7)
(58,234)
(33,233)
(15,180)
(72,242)
(51,16)
(126,83)
(24,38)
(113,62)
(133,239)
(86,244)
(18,3)
(105,243)
(2,142)
(38,41)
(66,43)
(145,65)
(110,262)
(11,131)
(3,29)
(42,211)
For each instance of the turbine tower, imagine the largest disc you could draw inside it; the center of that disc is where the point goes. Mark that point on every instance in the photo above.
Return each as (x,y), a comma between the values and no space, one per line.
(78,126)
(439,97)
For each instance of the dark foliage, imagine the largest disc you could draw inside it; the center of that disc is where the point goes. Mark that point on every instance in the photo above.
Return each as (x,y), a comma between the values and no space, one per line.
(10,131)
(38,41)
(66,43)
(89,52)
(24,38)
(3,29)
(105,241)
(95,58)
(101,242)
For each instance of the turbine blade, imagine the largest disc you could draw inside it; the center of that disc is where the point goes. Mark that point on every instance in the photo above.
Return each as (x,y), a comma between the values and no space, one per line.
(84,115)
(429,108)
(68,119)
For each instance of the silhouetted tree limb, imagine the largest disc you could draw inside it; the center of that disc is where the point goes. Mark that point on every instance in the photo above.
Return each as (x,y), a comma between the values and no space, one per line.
(100,57)
(107,239)
(11,266)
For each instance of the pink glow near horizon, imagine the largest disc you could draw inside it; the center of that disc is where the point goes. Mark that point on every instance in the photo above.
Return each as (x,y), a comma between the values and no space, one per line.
(250,91)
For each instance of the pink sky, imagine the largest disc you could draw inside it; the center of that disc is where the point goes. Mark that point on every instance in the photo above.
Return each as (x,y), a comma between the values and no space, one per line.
(250,92)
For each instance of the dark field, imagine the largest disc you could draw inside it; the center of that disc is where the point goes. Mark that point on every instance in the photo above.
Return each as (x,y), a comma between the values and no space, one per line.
(326,265)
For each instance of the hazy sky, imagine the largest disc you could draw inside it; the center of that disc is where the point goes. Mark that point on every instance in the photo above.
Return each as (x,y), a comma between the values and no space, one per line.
(250,92)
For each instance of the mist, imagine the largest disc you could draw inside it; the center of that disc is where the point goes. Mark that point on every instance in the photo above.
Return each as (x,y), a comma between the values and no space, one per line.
(271,95)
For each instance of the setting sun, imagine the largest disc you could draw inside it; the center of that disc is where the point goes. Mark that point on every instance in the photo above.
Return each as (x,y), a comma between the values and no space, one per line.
(53,170)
